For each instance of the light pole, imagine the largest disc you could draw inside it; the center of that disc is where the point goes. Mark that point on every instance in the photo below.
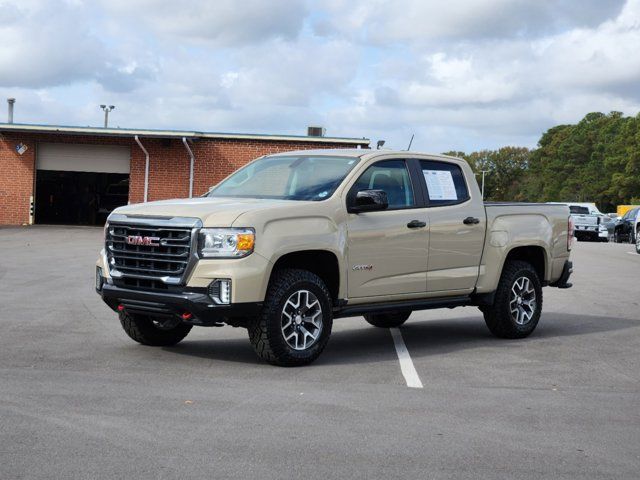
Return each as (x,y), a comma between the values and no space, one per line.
(106,113)
(483,172)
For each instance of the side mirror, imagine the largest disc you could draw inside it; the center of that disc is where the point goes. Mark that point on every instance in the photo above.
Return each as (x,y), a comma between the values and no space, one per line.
(369,201)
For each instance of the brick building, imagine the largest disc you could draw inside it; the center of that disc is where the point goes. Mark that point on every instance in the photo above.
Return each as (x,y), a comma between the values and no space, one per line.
(75,175)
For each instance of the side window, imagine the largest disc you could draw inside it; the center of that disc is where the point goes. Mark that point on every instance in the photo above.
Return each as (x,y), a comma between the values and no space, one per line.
(445,183)
(391,176)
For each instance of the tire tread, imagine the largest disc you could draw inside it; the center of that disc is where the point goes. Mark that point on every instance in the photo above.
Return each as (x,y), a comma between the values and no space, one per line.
(264,331)
(497,316)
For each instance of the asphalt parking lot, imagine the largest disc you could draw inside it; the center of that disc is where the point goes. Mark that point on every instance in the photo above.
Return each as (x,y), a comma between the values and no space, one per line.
(79,399)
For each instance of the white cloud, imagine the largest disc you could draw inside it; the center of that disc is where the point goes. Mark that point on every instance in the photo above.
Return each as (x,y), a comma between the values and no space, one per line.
(225,23)
(459,74)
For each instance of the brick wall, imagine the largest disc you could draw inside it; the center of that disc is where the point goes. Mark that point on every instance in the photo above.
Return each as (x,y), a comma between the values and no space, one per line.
(16,181)
(168,165)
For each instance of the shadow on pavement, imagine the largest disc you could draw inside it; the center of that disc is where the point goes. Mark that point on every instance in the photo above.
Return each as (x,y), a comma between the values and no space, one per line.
(424,338)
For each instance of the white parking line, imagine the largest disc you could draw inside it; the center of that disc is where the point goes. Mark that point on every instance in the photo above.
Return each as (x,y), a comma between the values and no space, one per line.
(406,364)
(632,253)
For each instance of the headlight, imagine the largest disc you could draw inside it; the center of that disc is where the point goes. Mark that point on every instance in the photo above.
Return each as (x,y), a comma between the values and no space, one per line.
(226,242)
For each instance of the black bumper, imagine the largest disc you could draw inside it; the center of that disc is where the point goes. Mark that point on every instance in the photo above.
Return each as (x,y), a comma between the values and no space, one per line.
(192,305)
(563,281)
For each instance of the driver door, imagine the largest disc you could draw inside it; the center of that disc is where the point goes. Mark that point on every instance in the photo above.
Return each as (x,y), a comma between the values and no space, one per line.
(387,250)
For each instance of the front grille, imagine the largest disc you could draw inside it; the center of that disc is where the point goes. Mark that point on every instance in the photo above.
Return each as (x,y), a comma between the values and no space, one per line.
(148,266)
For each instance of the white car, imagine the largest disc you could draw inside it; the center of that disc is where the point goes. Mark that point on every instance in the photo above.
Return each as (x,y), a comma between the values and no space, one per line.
(587,221)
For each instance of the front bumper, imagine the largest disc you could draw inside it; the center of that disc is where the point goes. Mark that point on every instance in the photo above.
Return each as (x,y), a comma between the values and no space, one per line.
(192,305)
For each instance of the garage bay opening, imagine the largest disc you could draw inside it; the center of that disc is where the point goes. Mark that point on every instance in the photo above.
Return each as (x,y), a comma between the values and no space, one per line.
(80,184)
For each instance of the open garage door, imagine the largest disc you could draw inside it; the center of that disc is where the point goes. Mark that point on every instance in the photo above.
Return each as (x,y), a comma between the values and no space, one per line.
(80,184)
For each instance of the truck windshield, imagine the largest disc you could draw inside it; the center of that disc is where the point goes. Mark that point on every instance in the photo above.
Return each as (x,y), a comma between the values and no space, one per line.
(287,178)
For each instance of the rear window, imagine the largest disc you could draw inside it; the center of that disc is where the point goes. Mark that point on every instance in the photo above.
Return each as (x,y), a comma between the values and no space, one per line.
(578,210)
(445,183)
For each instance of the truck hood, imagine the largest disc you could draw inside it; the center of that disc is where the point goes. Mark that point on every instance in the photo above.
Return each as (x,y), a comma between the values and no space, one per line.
(214,212)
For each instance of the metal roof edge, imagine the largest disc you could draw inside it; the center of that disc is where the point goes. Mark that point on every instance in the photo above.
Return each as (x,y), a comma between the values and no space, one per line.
(150,133)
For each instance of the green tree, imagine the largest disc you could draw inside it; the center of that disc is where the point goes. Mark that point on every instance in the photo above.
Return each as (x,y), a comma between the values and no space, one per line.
(596,160)
(505,171)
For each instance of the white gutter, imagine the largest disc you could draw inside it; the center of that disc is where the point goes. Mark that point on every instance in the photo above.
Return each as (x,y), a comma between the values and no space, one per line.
(186,145)
(146,168)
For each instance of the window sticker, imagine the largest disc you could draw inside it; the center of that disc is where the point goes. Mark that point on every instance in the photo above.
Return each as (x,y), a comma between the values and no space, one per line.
(440,185)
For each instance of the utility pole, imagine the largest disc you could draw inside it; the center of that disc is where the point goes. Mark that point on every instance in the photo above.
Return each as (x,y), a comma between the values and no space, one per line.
(106,113)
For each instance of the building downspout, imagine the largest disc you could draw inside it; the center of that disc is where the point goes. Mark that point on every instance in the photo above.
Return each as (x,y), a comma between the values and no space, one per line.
(10,102)
(146,168)
(186,145)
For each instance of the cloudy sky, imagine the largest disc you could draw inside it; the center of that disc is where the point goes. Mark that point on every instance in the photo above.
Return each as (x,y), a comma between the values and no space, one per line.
(460,74)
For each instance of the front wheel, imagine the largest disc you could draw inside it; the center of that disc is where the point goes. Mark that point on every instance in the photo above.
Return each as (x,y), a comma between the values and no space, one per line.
(296,319)
(387,320)
(153,331)
(638,241)
(517,304)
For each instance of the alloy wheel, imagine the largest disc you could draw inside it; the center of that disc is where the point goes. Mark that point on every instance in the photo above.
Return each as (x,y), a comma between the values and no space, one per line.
(301,320)
(522,302)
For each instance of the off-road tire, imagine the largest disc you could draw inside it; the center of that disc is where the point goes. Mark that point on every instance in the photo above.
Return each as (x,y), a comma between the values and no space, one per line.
(387,320)
(142,329)
(498,316)
(265,332)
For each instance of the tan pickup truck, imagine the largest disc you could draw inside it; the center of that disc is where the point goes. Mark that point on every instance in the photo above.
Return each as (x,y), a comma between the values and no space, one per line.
(292,241)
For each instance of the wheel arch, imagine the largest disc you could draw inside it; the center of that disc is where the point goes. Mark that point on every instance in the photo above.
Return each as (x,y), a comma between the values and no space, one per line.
(535,255)
(323,263)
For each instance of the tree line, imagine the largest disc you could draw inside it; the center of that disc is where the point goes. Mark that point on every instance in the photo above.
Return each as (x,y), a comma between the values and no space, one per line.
(596,160)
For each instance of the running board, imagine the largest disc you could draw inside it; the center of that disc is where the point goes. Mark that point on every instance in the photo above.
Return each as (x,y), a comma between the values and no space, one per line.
(422,304)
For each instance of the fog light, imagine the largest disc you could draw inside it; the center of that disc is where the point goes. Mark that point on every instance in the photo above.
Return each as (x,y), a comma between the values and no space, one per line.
(99,279)
(220,291)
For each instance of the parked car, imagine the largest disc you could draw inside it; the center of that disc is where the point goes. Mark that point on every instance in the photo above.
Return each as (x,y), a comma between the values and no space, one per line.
(590,206)
(636,229)
(608,223)
(293,240)
(587,222)
(626,229)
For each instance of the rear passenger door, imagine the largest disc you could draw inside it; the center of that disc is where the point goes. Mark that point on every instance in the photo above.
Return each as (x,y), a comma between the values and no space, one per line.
(457,225)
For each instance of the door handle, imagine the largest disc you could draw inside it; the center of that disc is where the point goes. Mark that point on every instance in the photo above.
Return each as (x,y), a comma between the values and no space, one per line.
(471,221)
(416,224)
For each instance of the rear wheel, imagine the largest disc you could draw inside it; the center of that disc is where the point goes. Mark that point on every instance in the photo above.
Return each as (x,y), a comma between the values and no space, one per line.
(153,331)
(387,320)
(518,302)
(296,319)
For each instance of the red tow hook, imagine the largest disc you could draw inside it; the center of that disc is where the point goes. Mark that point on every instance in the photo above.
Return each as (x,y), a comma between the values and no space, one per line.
(187,316)
(120,308)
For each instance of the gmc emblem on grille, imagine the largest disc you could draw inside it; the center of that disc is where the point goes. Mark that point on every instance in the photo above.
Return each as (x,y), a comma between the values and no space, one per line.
(145,241)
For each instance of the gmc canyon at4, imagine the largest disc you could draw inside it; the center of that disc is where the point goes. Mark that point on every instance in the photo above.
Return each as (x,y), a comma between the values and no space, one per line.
(292,241)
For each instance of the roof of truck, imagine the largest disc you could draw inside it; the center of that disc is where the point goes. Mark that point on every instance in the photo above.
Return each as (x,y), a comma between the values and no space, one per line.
(360,152)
